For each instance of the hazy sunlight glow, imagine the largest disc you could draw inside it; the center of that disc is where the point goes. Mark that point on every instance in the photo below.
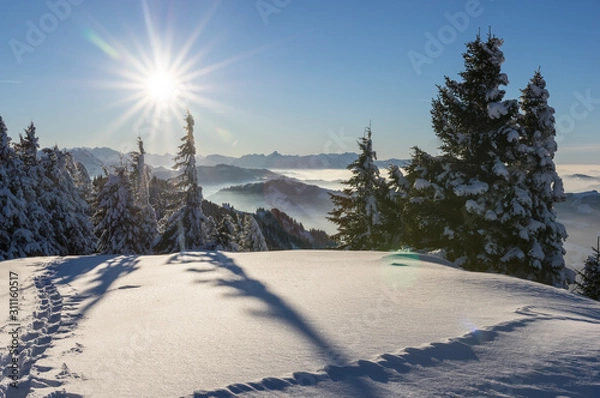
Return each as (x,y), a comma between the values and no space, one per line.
(162,87)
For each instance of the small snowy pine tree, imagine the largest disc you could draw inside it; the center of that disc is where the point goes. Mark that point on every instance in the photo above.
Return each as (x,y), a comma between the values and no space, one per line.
(117,228)
(589,284)
(356,211)
(252,239)
(81,177)
(228,235)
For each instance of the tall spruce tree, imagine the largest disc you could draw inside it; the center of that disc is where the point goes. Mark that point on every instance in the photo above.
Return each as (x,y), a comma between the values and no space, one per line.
(146,217)
(183,229)
(356,211)
(542,232)
(477,129)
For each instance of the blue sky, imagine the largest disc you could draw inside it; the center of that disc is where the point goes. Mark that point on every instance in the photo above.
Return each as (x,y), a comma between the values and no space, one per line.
(296,77)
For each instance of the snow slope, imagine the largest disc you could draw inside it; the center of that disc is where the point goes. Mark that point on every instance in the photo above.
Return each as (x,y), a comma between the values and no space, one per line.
(299,324)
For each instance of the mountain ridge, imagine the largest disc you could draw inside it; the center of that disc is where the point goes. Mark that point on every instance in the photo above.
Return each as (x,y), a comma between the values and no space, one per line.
(95,159)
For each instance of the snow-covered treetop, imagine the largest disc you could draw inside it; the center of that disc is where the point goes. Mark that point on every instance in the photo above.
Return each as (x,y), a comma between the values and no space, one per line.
(29,145)
(466,112)
(368,154)
(4,141)
(539,142)
(186,160)
(140,143)
(492,47)
(140,174)
(398,182)
(534,100)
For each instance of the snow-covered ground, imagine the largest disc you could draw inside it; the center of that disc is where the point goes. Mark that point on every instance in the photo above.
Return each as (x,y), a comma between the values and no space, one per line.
(298,324)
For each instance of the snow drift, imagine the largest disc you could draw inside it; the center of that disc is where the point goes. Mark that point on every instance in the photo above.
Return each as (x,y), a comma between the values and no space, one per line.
(301,323)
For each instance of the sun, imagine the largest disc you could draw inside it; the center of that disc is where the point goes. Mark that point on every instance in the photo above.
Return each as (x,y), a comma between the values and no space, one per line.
(162,87)
(160,75)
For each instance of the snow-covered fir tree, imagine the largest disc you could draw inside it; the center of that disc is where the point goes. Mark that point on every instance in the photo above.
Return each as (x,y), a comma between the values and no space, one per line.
(477,129)
(159,192)
(43,212)
(183,229)
(211,234)
(589,283)
(7,198)
(81,177)
(252,239)
(543,233)
(116,228)
(97,185)
(146,217)
(356,212)
(28,146)
(487,200)
(228,235)
(15,235)
(69,213)
(43,238)
(423,217)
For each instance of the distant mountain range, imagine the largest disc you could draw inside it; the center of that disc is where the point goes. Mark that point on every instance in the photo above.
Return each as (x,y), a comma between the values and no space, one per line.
(277,161)
(94,159)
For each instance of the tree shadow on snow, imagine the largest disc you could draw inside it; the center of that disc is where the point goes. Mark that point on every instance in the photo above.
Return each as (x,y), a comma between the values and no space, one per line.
(107,268)
(187,257)
(278,308)
(71,269)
